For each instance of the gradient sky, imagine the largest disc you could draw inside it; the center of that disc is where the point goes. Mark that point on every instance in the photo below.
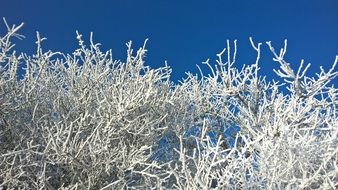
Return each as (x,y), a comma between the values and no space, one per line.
(184,32)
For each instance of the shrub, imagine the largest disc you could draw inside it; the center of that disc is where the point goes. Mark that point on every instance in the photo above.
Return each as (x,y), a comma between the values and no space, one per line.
(87,121)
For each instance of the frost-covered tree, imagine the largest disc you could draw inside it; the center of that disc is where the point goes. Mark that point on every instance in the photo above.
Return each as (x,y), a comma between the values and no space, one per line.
(84,120)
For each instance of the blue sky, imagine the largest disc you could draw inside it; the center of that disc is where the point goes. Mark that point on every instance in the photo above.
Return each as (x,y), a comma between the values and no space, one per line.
(184,32)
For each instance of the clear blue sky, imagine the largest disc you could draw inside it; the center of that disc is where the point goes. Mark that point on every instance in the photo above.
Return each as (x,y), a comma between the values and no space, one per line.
(184,32)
